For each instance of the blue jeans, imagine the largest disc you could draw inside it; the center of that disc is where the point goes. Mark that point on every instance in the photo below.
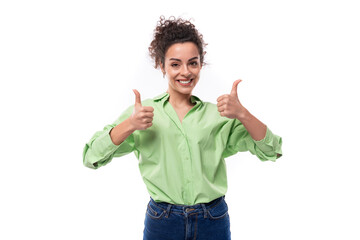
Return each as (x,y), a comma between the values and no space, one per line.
(203,221)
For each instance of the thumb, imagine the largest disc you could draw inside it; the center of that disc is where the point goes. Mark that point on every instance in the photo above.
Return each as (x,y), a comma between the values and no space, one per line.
(137,98)
(234,87)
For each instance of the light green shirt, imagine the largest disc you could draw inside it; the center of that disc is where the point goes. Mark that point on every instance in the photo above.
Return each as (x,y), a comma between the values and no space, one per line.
(182,162)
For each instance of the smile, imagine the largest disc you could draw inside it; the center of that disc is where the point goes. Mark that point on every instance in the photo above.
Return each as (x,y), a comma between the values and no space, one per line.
(185,83)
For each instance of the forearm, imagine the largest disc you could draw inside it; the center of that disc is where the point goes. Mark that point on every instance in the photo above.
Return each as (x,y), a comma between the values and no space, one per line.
(120,132)
(254,126)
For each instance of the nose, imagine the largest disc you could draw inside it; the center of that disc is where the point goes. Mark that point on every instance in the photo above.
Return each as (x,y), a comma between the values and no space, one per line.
(185,71)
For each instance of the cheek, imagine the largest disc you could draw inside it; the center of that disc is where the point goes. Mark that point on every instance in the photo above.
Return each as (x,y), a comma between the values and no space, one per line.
(173,73)
(196,71)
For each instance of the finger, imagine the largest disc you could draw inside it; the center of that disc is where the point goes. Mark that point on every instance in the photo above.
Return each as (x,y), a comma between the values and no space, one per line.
(142,114)
(147,115)
(221,97)
(137,98)
(148,109)
(234,87)
(221,109)
(221,103)
(147,120)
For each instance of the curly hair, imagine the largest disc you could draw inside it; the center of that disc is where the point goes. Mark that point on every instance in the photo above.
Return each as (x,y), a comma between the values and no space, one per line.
(168,32)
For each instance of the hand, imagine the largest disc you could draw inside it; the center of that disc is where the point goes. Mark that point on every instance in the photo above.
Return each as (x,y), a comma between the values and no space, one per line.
(142,117)
(229,105)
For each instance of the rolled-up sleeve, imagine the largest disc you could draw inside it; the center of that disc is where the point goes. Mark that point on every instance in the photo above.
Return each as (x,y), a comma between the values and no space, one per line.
(100,150)
(240,140)
(268,148)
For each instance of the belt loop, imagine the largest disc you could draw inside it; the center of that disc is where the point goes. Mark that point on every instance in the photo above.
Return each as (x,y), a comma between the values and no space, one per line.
(205,210)
(168,210)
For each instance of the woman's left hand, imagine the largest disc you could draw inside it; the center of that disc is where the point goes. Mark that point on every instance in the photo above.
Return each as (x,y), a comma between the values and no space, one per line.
(229,105)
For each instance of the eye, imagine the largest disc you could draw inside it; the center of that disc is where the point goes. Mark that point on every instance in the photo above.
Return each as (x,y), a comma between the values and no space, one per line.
(194,63)
(174,65)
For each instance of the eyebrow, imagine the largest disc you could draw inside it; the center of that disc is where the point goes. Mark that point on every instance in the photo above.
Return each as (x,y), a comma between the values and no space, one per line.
(176,59)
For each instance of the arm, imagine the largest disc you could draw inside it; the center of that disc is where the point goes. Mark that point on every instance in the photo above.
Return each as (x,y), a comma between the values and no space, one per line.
(248,133)
(253,125)
(119,133)
(240,140)
(140,119)
(115,139)
(259,132)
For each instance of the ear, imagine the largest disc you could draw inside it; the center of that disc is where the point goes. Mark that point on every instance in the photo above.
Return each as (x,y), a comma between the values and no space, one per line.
(162,68)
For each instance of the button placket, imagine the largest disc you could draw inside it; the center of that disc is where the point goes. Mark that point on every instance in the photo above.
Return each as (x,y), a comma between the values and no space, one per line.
(187,168)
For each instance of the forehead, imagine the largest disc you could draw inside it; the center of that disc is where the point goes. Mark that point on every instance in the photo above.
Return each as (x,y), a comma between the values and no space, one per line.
(184,51)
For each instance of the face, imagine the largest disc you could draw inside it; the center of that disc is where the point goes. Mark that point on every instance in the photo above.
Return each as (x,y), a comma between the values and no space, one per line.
(182,62)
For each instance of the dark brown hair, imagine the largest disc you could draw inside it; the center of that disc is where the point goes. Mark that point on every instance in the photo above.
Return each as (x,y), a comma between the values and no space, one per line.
(168,32)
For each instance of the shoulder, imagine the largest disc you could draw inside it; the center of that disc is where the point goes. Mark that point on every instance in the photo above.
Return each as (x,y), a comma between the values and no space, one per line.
(148,102)
(209,106)
(212,113)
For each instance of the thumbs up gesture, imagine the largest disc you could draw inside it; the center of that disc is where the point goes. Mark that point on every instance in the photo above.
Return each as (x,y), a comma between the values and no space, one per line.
(142,116)
(229,105)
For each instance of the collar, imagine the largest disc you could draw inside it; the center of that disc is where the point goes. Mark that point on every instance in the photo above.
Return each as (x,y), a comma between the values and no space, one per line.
(165,96)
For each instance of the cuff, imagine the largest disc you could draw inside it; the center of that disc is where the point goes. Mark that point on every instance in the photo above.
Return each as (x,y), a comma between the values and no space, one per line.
(103,147)
(105,144)
(270,144)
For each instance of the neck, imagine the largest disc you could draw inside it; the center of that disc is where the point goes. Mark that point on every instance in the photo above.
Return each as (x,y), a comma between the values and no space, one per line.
(178,99)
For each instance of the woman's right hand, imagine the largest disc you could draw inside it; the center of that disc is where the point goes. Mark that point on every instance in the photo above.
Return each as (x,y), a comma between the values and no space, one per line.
(142,116)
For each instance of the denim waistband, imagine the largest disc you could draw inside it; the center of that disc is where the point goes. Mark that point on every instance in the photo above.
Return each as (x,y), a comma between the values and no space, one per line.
(188,208)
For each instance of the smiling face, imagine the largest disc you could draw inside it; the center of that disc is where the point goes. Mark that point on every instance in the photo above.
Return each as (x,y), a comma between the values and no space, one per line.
(182,62)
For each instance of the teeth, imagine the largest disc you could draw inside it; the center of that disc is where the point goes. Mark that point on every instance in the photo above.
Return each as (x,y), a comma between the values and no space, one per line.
(185,81)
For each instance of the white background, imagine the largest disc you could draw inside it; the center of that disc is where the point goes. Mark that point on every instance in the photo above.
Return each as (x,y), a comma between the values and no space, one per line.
(67,69)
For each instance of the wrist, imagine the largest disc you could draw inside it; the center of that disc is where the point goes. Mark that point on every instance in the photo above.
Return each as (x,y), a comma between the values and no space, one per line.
(129,125)
(244,115)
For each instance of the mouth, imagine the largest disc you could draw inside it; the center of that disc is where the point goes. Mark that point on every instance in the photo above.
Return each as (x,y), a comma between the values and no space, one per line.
(185,82)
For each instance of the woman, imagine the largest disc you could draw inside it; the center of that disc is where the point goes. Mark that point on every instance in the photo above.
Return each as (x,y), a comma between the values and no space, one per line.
(181,142)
